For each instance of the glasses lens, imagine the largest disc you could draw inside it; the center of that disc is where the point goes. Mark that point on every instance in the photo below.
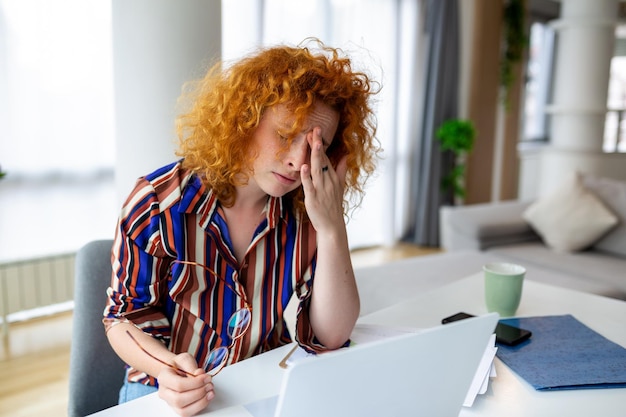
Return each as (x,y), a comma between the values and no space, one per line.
(238,323)
(216,359)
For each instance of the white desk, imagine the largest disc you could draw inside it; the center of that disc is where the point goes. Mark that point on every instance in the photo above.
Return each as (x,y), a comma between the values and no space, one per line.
(508,395)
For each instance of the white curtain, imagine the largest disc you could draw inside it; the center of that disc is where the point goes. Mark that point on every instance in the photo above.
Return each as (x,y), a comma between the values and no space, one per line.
(383,38)
(55,87)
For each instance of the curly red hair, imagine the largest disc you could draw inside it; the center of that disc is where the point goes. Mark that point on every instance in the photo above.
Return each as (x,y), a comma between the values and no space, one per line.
(227,106)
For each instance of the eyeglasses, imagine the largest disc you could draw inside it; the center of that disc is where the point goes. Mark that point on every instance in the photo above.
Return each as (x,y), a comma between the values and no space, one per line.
(174,367)
(237,326)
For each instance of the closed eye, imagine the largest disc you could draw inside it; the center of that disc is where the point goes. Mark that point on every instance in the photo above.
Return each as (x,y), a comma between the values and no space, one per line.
(283,137)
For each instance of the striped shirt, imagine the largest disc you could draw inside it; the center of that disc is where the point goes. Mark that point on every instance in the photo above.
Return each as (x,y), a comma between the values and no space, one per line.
(171,215)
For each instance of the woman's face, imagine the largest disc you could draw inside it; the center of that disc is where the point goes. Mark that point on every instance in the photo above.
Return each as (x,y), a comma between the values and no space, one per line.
(276,168)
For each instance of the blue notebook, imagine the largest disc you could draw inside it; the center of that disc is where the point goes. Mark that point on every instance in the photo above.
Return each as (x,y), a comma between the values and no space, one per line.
(564,354)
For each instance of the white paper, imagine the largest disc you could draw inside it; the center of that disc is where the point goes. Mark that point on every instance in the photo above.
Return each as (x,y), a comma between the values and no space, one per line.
(485,370)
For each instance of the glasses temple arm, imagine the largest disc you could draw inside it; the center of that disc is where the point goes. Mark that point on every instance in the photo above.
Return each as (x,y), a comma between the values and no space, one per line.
(174,367)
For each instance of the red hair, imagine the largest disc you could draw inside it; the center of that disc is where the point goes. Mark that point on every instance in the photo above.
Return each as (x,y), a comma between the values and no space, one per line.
(227,106)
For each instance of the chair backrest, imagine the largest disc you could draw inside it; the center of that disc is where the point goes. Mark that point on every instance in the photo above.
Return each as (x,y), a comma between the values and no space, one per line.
(96,372)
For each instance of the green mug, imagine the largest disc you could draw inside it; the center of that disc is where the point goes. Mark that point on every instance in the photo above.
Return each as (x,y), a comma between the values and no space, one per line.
(503,287)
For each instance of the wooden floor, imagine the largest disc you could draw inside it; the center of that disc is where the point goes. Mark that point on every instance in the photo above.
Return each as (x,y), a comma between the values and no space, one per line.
(34,363)
(34,360)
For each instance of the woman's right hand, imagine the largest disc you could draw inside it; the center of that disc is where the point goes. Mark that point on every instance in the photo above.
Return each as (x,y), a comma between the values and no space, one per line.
(187,395)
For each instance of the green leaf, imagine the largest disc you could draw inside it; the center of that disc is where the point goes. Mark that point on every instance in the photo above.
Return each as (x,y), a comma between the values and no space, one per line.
(456,135)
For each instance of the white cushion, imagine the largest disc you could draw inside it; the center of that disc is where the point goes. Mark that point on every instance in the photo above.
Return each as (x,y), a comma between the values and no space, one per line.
(613,194)
(571,218)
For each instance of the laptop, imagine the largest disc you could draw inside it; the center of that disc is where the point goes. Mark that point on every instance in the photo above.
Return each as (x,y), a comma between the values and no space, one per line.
(427,373)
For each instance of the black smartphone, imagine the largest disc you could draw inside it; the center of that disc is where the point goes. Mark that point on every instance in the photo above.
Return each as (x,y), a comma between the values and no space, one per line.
(505,334)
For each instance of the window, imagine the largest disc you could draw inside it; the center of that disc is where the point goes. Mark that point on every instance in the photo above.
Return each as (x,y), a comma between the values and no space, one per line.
(538,82)
(56,126)
(56,99)
(615,124)
(538,89)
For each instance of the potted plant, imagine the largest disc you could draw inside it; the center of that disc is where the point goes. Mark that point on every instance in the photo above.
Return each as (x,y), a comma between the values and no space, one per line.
(456,136)
(514,42)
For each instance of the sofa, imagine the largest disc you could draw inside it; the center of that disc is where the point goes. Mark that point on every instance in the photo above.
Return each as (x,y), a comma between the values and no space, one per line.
(574,237)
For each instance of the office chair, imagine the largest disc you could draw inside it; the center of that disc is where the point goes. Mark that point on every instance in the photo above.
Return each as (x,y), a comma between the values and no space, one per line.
(96,372)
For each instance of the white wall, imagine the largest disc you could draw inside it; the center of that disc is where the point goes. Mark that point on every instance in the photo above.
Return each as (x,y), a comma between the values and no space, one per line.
(158,45)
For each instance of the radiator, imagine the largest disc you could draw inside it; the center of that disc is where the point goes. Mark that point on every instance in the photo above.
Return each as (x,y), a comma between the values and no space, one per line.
(35,287)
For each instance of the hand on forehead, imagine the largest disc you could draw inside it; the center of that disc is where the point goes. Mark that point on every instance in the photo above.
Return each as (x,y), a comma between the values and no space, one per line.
(322,116)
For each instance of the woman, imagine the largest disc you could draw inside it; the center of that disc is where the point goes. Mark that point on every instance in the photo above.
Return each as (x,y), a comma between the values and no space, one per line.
(210,249)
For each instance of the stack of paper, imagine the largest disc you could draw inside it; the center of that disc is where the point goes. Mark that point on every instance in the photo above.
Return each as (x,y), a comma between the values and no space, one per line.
(485,371)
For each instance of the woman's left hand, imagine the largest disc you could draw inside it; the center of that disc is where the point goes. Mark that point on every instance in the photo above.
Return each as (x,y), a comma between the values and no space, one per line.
(334,305)
(323,186)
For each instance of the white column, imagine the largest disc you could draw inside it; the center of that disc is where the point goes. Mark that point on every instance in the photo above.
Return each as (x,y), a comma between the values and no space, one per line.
(586,41)
(158,45)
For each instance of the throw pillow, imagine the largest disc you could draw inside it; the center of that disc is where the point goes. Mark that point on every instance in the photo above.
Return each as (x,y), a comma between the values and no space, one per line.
(571,218)
(613,194)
